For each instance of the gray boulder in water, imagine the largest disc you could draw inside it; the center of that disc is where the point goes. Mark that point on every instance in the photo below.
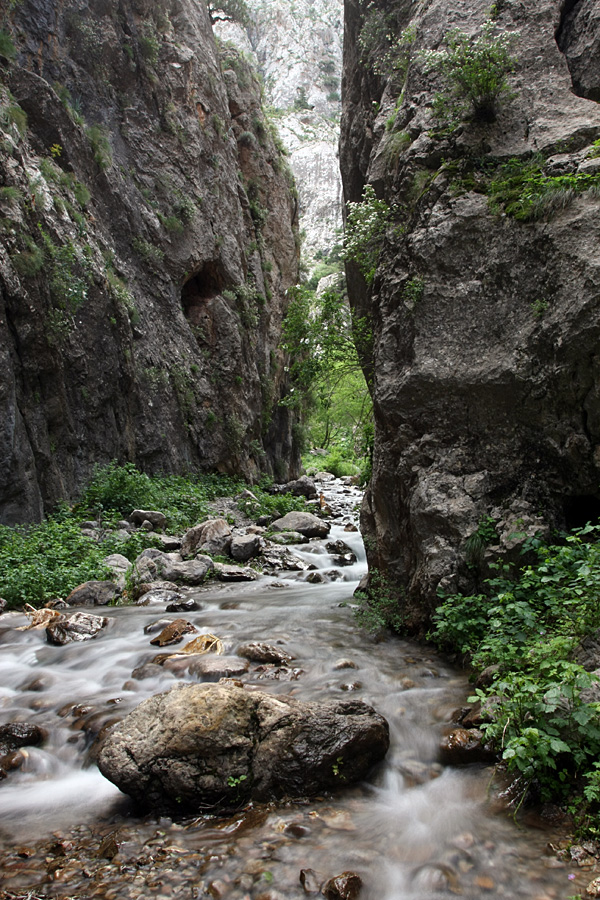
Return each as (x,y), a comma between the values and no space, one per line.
(211,746)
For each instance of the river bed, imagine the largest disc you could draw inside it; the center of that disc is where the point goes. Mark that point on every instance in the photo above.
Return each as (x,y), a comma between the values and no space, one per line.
(415,831)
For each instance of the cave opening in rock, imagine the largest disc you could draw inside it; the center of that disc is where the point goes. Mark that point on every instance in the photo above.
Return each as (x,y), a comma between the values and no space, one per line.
(578,511)
(201,287)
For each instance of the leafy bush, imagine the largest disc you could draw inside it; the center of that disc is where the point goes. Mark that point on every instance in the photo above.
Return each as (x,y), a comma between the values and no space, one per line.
(365,230)
(384,47)
(547,728)
(475,74)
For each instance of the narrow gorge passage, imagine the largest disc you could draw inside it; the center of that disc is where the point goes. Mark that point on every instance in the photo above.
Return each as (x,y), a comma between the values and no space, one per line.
(416,829)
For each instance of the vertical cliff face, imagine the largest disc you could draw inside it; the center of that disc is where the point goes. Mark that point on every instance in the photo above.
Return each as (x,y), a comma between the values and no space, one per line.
(484,304)
(298,50)
(149,237)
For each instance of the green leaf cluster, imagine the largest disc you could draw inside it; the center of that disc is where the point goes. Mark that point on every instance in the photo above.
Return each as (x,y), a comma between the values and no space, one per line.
(366,224)
(474,72)
(544,720)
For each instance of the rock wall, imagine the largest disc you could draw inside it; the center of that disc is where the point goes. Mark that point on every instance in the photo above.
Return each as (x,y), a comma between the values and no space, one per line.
(149,235)
(298,49)
(485,325)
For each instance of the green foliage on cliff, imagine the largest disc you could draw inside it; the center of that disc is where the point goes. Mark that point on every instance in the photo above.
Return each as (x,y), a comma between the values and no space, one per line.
(366,224)
(474,73)
(384,46)
(545,718)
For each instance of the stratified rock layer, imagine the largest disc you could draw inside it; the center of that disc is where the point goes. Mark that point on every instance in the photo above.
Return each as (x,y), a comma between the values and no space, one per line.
(205,746)
(485,363)
(148,240)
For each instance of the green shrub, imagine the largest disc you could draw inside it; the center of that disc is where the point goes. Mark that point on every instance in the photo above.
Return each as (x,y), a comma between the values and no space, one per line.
(366,224)
(475,74)
(10,195)
(546,728)
(378,607)
(14,115)
(521,189)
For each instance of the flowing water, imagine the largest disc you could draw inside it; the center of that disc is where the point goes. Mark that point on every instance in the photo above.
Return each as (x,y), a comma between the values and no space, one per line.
(415,830)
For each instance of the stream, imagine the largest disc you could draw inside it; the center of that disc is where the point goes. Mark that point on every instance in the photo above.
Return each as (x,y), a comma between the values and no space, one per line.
(415,830)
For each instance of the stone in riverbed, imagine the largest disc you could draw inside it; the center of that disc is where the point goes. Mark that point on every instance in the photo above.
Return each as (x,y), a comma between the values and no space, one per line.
(210,746)
(264,653)
(173,633)
(94,593)
(213,536)
(78,627)
(244,547)
(461,746)
(226,572)
(305,523)
(346,886)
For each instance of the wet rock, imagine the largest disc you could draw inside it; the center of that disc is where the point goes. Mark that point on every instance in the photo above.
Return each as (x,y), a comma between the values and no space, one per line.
(78,627)
(244,547)
(593,888)
(156,519)
(19,734)
(179,604)
(305,523)
(315,578)
(350,527)
(289,537)
(208,746)
(213,536)
(158,595)
(279,558)
(346,886)
(94,593)
(311,881)
(462,746)
(10,761)
(173,633)
(302,487)
(334,575)
(235,573)
(272,672)
(348,559)
(213,668)
(338,548)
(109,847)
(153,627)
(344,664)
(264,653)
(351,686)
(148,670)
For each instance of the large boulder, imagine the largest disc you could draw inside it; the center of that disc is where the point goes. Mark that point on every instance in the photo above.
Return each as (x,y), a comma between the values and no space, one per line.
(303,522)
(154,565)
(213,536)
(204,746)
(244,547)
(156,519)
(94,593)
(78,627)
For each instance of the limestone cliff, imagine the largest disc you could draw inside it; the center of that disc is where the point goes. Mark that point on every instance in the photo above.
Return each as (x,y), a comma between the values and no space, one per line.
(485,301)
(298,50)
(149,236)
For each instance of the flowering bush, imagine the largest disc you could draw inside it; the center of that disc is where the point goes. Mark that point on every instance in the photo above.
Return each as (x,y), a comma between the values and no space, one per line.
(365,229)
(475,73)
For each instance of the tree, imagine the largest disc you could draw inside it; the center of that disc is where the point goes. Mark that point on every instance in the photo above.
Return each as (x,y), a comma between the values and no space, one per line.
(229,11)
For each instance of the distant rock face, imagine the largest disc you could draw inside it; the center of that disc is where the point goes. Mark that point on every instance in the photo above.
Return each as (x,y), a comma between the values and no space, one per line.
(149,237)
(298,47)
(485,360)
